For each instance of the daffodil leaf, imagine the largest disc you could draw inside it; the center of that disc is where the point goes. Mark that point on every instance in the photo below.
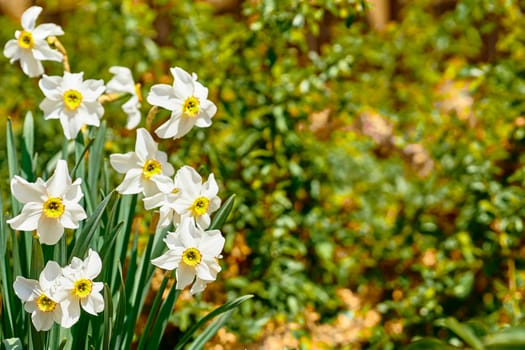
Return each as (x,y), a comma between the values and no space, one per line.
(222,214)
(210,331)
(162,318)
(221,309)
(27,147)
(118,326)
(10,303)
(91,226)
(12,162)
(108,311)
(96,155)
(152,314)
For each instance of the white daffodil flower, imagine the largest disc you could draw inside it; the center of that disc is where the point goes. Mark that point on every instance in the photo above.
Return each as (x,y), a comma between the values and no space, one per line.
(197,200)
(77,287)
(194,253)
(147,169)
(39,297)
(165,201)
(188,102)
(123,83)
(30,45)
(72,100)
(49,206)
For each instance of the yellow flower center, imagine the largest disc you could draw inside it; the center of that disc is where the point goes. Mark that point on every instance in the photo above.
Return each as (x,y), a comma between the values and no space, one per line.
(191,106)
(175,190)
(72,99)
(82,288)
(151,167)
(138,91)
(191,257)
(53,207)
(25,40)
(45,304)
(200,206)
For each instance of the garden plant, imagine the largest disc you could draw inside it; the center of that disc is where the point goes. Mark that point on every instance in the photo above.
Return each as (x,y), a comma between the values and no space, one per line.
(73,274)
(373,150)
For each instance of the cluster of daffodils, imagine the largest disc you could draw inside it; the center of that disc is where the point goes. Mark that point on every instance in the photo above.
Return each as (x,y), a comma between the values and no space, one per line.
(184,202)
(60,292)
(77,102)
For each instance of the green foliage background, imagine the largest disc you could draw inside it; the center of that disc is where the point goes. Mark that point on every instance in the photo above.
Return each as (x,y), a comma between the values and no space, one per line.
(326,206)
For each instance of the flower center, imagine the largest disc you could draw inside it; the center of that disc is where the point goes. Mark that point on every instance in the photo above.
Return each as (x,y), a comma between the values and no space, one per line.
(25,40)
(151,167)
(191,106)
(191,257)
(53,207)
(45,304)
(138,91)
(72,99)
(200,206)
(82,288)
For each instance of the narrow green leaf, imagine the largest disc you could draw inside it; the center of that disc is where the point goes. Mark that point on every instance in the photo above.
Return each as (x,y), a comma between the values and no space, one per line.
(37,260)
(152,317)
(80,158)
(12,162)
(125,211)
(108,312)
(210,331)
(139,282)
(463,331)
(162,318)
(91,226)
(96,155)
(221,309)
(222,214)
(80,151)
(28,147)
(6,280)
(110,241)
(119,323)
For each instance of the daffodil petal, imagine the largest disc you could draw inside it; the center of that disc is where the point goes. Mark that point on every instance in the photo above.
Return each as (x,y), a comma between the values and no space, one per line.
(93,304)
(50,230)
(28,219)
(185,275)
(29,17)
(44,30)
(24,287)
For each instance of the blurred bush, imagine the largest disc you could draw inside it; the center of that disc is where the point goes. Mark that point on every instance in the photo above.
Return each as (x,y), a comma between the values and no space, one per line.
(385,162)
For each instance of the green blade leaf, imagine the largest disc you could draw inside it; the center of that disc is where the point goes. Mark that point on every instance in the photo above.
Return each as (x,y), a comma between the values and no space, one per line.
(12,161)
(210,331)
(92,224)
(6,280)
(28,147)
(221,309)
(222,214)
(108,311)
(96,155)
(162,319)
